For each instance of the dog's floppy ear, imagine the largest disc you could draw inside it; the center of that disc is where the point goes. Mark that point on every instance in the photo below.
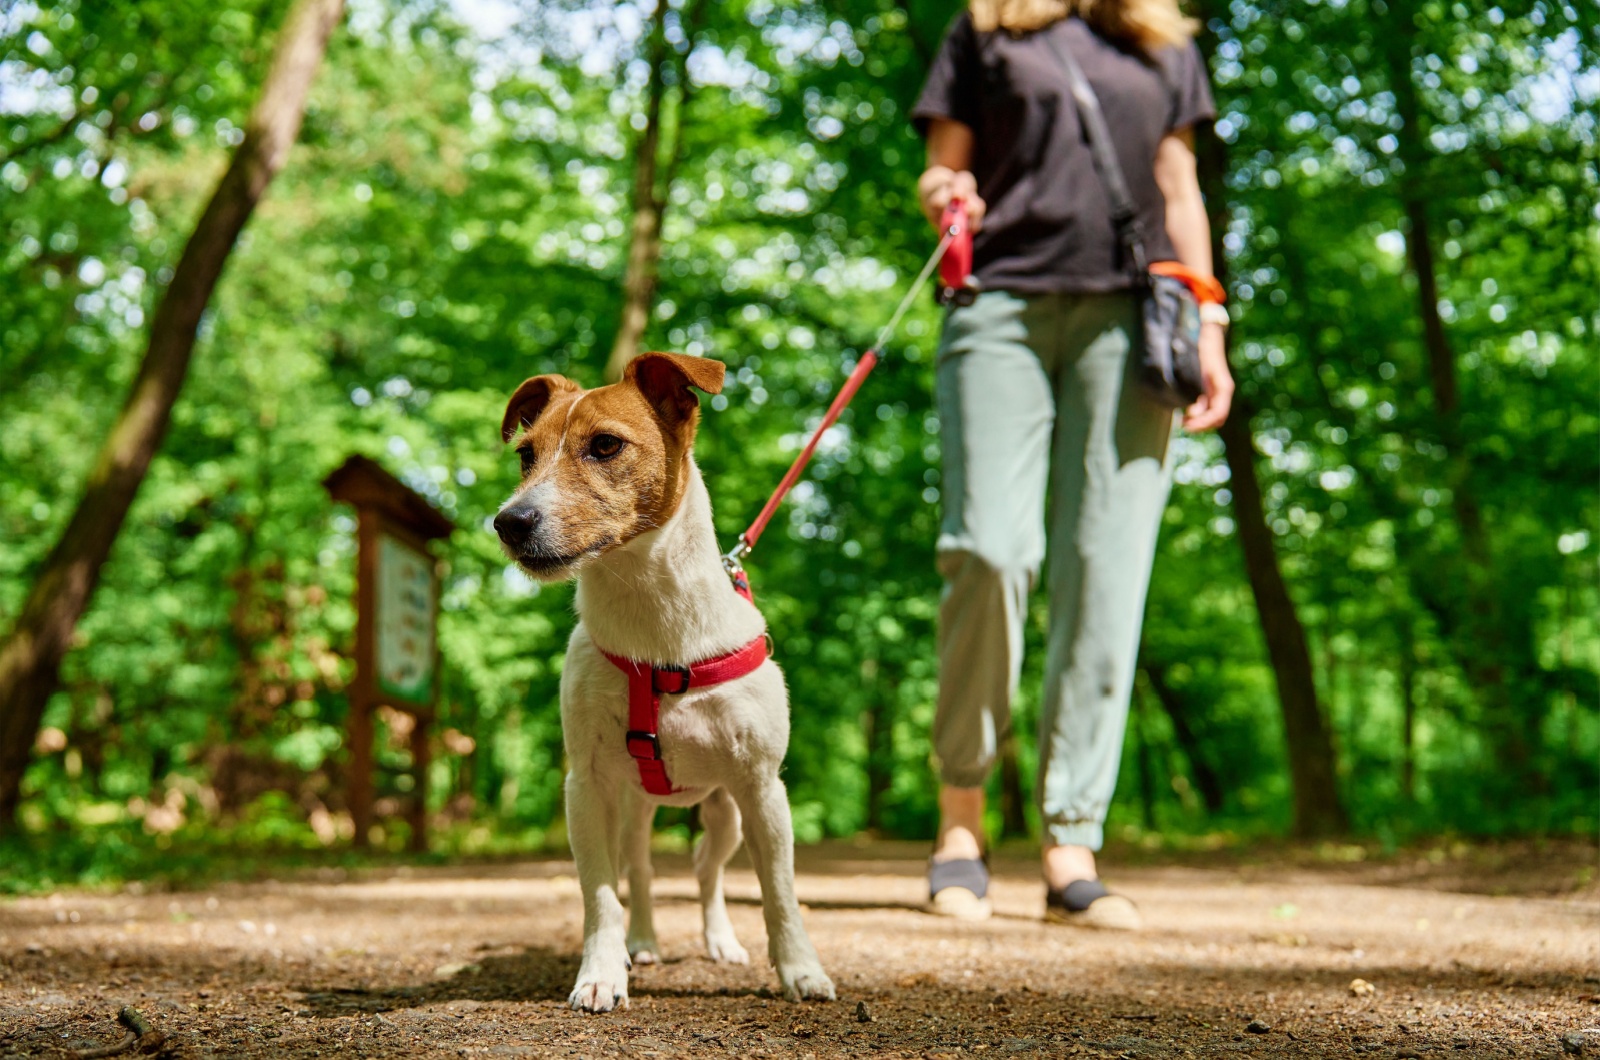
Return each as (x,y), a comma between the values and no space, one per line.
(665,378)
(530,400)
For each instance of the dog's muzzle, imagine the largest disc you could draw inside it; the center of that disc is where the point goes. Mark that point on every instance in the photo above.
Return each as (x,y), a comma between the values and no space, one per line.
(516,525)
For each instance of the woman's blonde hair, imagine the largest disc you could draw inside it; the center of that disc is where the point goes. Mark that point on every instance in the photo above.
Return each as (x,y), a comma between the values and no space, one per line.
(1148,24)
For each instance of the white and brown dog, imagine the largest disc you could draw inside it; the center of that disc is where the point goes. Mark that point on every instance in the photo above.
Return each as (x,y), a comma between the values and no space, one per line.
(667,695)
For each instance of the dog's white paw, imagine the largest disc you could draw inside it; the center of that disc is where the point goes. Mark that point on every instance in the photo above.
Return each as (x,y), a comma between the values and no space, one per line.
(805,982)
(600,991)
(722,947)
(643,951)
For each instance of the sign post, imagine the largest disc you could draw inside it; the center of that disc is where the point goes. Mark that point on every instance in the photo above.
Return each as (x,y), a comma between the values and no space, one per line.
(397,605)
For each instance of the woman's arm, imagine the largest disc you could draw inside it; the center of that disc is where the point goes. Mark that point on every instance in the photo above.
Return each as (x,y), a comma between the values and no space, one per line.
(948,175)
(1190,232)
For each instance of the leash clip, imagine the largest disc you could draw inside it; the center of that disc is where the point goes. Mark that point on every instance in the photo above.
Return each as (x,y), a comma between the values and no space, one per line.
(732,559)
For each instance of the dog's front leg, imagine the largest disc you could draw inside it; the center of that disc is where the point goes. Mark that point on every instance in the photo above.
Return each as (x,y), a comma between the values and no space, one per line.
(638,814)
(720,815)
(592,829)
(769,834)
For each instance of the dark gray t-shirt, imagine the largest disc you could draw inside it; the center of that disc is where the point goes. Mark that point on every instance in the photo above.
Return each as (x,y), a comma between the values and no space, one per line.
(1048,226)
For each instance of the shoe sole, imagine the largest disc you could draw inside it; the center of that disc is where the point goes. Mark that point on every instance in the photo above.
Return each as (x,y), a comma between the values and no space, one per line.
(958,903)
(1111,913)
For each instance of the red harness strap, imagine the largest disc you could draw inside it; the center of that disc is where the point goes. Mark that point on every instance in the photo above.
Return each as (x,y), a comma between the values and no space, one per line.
(647,684)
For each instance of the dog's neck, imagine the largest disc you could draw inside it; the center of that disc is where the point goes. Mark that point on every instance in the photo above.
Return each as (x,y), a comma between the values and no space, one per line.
(664,597)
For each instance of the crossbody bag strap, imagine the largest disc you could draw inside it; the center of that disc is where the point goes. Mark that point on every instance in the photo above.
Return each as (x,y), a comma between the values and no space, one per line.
(1124,215)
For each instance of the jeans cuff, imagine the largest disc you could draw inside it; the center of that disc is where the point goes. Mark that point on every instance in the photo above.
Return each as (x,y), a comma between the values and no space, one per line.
(968,776)
(1089,834)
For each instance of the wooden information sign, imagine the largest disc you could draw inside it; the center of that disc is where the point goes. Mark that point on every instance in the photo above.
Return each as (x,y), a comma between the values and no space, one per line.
(397,606)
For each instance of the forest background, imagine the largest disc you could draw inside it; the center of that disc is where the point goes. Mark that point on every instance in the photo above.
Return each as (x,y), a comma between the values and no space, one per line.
(1374,608)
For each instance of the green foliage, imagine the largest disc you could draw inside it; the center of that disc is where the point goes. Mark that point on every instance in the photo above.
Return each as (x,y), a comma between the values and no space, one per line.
(455,219)
(1457,549)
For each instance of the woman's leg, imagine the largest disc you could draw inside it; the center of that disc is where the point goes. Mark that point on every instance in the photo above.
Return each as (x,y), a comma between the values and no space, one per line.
(995,416)
(960,823)
(1111,473)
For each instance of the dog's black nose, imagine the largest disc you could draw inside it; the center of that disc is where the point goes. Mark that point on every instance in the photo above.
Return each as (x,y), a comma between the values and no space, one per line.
(514,525)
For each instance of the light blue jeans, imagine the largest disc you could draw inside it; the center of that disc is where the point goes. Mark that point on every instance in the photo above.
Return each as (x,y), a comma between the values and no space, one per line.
(1035,393)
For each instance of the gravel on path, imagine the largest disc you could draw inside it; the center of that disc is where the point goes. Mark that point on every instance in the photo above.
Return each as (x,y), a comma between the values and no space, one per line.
(1490,952)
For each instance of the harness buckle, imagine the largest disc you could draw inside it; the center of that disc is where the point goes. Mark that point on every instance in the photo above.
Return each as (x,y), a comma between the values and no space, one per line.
(683,682)
(649,739)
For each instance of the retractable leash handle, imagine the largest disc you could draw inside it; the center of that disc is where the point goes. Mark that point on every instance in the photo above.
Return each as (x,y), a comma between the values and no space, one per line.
(956,284)
(954,235)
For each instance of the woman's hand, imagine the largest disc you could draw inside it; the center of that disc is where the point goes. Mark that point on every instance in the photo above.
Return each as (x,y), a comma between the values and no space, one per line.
(1190,231)
(939,184)
(1211,408)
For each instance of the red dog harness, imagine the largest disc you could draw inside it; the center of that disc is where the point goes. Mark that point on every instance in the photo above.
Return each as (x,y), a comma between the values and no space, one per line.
(648,683)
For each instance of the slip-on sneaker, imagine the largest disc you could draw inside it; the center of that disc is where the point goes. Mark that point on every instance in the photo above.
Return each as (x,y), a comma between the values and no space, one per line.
(959,888)
(1087,903)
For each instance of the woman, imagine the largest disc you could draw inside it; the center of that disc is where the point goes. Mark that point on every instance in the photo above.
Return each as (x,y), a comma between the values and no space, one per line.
(1035,395)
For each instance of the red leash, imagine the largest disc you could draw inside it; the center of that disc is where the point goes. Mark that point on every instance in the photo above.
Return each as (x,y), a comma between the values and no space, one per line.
(840,400)
(647,682)
(956,284)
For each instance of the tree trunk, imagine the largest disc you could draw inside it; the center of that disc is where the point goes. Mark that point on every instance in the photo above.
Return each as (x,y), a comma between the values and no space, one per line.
(1569,691)
(1318,809)
(650,194)
(1147,768)
(1419,252)
(1408,701)
(30,658)
(1492,646)
(644,244)
(879,724)
(1178,709)
(1332,674)
(1013,800)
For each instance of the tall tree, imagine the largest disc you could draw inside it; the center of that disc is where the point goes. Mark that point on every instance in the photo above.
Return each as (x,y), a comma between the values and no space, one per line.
(652,182)
(1179,710)
(30,657)
(1313,765)
(1407,213)
(1492,638)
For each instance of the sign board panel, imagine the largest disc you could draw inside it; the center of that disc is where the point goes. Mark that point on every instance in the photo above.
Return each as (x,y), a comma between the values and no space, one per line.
(407,601)
(397,603)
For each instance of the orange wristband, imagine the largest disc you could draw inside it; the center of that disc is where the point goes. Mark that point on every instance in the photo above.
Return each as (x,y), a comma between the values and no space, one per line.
(1206,289)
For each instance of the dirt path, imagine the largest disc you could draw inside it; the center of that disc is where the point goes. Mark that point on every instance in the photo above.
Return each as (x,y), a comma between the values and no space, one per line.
(1481,953)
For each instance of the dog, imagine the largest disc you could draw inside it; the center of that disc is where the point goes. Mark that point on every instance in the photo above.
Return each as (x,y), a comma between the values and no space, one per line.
(611,495)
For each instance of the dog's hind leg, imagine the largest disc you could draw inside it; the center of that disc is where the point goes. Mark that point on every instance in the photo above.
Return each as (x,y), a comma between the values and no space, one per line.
(592,829)
(638,815)
(769,833)
(720,815)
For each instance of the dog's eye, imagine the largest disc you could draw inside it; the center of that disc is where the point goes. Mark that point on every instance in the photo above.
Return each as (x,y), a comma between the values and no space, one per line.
(605,446)
(525,452)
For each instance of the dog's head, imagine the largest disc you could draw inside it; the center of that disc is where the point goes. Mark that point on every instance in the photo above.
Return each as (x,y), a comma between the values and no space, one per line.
(599,467)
